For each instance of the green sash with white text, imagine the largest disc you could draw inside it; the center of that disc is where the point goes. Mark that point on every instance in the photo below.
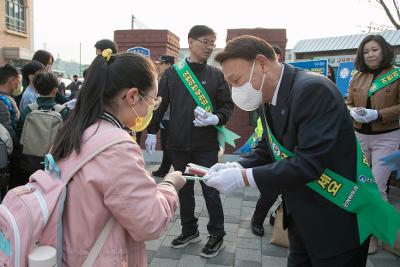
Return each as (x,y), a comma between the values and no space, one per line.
(384,80)
(202,99)
(374,215)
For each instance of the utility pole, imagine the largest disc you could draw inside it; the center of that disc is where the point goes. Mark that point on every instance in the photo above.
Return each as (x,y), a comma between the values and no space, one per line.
(133,22)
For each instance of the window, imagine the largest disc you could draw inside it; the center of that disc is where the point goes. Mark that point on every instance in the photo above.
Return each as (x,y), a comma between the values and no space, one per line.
(15,15)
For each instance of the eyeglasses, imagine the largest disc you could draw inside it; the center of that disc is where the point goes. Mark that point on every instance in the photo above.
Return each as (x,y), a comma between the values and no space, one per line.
(157,101)
(206,43)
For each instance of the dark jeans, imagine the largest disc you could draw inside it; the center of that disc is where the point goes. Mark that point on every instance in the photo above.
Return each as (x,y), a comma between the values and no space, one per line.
(264,203)
(166,161)
(215,225)
(300,257)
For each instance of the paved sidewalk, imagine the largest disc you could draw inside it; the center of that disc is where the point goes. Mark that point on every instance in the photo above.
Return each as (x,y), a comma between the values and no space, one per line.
(242,247)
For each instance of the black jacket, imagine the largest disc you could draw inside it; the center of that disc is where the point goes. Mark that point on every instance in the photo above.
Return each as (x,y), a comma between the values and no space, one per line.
(311,120)
(183,134)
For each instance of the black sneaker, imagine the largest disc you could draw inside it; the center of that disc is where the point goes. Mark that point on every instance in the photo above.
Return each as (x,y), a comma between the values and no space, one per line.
(213,246)
(182,241)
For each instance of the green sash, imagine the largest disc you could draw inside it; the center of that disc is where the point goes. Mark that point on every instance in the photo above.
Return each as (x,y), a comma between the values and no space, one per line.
(201,98)
(384,80)
(374,215)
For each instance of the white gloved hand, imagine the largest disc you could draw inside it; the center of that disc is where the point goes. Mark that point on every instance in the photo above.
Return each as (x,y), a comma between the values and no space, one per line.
(151,142)
(226,180)
(204,118)
(220,166)
(356,116)
(363,115)
(371,115)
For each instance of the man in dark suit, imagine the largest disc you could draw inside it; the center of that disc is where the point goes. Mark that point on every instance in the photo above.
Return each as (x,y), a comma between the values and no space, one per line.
(307,115)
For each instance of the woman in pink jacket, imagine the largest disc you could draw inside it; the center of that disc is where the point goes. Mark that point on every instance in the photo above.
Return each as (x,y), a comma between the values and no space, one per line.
(119,92)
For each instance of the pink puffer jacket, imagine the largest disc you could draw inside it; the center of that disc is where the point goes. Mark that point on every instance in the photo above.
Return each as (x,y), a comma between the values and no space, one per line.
(114,183)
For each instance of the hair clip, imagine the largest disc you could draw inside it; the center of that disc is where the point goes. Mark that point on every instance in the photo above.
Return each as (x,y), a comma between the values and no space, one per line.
(106,54)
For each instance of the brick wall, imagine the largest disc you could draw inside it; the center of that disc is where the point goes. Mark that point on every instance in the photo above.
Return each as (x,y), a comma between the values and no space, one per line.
(239,121)
(10,39)
(160,42)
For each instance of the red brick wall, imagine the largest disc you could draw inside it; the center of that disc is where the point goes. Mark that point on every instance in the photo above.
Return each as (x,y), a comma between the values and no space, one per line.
(160,42)
(239,121)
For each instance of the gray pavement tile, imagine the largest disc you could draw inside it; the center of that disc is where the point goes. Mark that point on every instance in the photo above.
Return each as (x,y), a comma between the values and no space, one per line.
(150,255)
(247,233)
(385,262)
(246,213)
(223,258)
(250,204)
(251,198)
(240,263)
(245,224)
(191,261)
(273,250)
(169,253)
(156,262)
(229,246)
(230,236)
(268,261)
(167,240)
(383,254)
(231,227)
(216,265)
(193,249)
(232,211)
(153,244)
(249,243)
(248,254)
(231,219)
(204,213)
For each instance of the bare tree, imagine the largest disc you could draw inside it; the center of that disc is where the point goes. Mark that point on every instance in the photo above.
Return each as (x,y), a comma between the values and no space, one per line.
(391,9)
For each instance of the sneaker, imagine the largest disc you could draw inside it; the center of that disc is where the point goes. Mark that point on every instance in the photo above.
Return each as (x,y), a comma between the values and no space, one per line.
(213,246)
(182,240)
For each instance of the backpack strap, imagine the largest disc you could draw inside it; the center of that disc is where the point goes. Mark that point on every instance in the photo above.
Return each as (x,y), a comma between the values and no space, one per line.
(10,107)
(33,106)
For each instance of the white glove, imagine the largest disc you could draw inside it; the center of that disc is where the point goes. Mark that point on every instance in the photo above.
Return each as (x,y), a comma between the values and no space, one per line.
(226,180)
(372,115)
(151,142)
(204,118)
(220,166)
(363,115)
(356,116)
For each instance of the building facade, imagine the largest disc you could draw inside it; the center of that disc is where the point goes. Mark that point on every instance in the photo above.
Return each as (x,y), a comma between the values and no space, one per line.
(16,31)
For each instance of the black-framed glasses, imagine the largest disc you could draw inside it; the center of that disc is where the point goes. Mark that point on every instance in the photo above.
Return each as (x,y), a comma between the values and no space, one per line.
(206,43)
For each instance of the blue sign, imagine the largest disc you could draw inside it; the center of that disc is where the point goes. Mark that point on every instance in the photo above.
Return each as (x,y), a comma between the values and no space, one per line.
(140,50)
(318,66)
(344,73)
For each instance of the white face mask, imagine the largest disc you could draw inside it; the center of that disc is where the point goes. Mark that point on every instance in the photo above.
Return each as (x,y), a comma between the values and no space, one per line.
(245,96)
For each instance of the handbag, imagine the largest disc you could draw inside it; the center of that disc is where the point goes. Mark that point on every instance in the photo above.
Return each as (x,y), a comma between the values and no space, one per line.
(279,235)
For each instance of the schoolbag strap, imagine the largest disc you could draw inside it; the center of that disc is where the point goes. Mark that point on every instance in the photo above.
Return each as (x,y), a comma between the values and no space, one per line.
(98,143)
(94,252)
(58,108)
(33,106)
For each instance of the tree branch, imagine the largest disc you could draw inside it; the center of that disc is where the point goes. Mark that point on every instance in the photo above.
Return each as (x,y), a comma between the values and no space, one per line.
(396,6)
(389,14)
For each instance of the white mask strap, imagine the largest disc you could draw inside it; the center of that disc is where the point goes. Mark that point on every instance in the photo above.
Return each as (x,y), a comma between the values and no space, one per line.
(252,68)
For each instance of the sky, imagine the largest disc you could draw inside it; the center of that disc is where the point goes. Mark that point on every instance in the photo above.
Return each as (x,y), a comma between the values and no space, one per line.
(61,26)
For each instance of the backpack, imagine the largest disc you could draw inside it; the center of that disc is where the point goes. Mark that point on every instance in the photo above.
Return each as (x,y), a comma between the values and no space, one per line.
(40,129)
(10,107)
(31,215)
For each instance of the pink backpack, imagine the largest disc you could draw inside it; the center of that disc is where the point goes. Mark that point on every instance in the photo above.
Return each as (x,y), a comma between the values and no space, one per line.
(31,215)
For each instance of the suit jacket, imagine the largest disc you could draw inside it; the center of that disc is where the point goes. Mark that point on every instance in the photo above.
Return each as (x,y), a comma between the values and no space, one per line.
(311,120)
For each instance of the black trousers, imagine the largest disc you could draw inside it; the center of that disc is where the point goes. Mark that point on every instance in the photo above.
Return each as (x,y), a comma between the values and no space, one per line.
(189,224)
(264,203)
(300,257)
(166,161)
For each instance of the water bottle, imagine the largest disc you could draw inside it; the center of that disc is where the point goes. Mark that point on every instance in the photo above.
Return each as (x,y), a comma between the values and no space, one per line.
(43,256)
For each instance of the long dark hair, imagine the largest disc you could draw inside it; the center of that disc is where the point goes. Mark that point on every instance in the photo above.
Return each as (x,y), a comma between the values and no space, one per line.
(43,57)
(387,53)
(103,82)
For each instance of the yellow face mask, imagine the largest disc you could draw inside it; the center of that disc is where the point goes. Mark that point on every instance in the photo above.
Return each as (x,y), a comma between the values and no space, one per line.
(17,91)
(141,123)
